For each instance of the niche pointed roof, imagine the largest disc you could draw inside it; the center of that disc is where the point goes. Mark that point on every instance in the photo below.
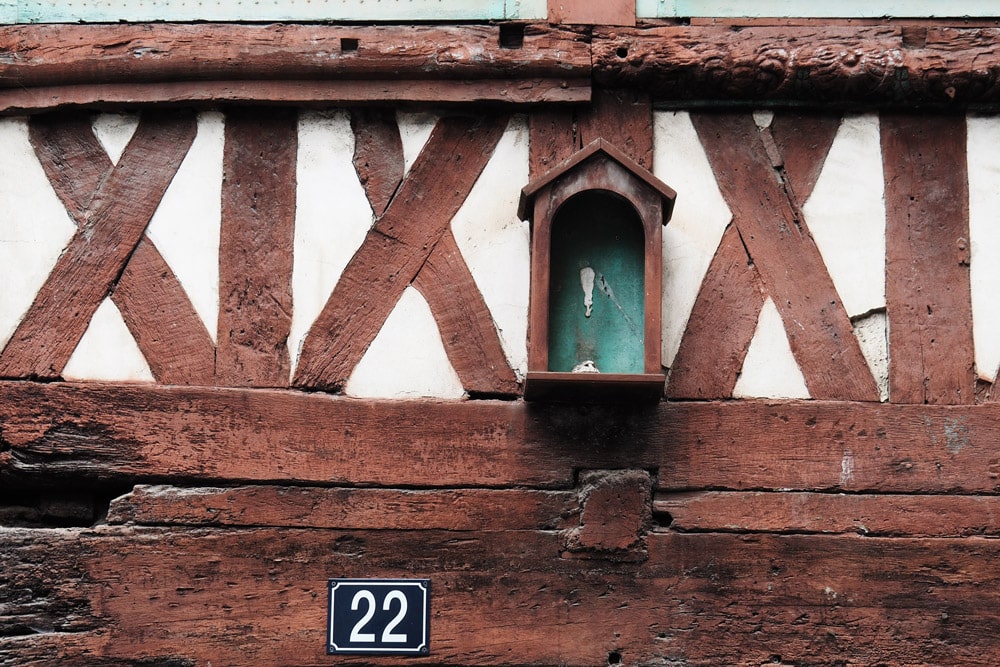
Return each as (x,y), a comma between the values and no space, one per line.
(526,209)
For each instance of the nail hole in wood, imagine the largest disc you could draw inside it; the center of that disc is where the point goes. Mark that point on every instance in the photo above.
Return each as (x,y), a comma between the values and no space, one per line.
(622,51)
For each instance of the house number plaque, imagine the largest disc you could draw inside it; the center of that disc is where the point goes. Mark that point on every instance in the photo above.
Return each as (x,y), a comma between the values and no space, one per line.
(379,616)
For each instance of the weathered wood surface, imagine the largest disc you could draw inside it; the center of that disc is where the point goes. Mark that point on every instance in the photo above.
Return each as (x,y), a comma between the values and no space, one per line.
(819,63)
(621,117)
(768,214)
(822,64)
(153,304)
(255,259)
(89,267)
(721,326)
(120,595)
(864,514)
(323,94)
(45,55)
(463,318)
(205,434)
(347,508)
(927,288)
(397,247)
(724,317)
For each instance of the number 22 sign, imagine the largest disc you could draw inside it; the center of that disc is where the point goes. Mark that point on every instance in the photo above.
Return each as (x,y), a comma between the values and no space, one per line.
(379,616)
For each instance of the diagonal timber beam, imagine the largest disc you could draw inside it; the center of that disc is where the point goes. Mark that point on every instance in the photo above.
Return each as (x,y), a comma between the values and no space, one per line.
(463,318)
(724,317)
(110,228)
(397,248)
(155,308)
(767,212)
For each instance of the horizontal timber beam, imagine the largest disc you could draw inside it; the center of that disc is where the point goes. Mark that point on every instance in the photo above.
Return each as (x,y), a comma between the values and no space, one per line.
(48,66)
(204,434)
(812,64)
(124,595)
(829,65)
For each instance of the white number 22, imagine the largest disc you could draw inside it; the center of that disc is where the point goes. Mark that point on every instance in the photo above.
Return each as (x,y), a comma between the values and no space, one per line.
(388,636)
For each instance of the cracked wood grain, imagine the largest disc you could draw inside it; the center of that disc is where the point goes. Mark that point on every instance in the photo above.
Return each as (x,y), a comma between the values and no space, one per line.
(255,258)
(927,287)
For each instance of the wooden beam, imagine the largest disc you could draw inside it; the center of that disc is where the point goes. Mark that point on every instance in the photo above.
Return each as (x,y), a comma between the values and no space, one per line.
(255,262)
(53,66)
(768,214)
(396,248)
(121,595)
(927,291)
(84,274)
(721,325)
(864,514)
(75,431)
(467,329)
(323,94)
(153,304)
(347,508)
(829,65)
(45,55)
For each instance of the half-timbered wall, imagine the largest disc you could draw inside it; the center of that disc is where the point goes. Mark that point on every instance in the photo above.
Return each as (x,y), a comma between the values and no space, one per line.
(263,322)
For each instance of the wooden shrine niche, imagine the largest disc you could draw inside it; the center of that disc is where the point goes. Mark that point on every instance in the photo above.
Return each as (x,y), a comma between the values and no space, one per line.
(596,266)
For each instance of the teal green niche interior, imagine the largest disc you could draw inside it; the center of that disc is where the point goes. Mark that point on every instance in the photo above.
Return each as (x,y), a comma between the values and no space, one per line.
(597,285)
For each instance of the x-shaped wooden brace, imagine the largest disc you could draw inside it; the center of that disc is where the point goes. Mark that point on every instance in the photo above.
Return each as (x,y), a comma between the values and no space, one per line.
(768,250)
(411,242)
(112,206)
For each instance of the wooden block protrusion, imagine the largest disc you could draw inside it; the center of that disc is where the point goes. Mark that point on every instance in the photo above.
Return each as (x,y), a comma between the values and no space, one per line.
(589,12)
(616,514)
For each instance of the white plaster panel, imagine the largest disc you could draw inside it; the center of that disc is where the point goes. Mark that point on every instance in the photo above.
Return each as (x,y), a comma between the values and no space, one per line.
(107,351)
(846,214)
(495,243)
(114,131)
(984,239)
(332,216)
(872,332)
(407,358)
(700,217)
(34,225)
(186,225)
(770,369)
(415,128)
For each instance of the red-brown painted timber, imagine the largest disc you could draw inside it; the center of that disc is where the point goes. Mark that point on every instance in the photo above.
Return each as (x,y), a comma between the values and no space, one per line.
(724,317)
(721,325)
(865,514)
(463,318)
(150,432)
(828,65)
(396,248)
(378,155)
(44,55)
(117,595)
(776,237)
(623,118)
(255,262)
(153,305)
(322,94)
(89,267)
(927,290)
(347,508)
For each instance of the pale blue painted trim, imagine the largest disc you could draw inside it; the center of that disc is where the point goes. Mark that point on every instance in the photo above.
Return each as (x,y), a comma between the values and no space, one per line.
(817,8)
(102,11)
(8,11)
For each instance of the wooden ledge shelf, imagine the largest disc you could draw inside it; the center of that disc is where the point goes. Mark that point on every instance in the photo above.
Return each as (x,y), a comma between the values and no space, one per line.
(594,387)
